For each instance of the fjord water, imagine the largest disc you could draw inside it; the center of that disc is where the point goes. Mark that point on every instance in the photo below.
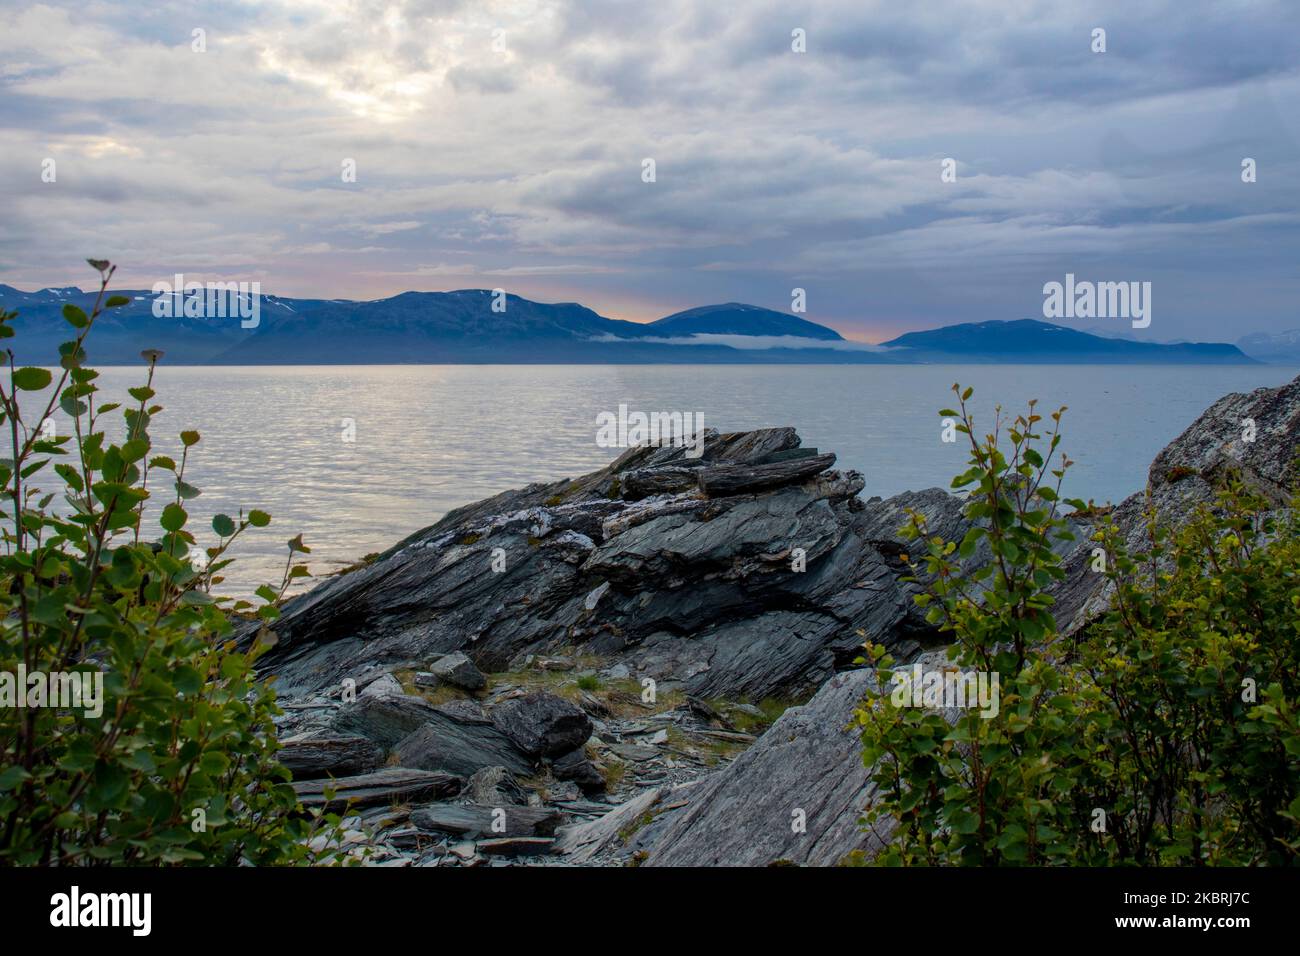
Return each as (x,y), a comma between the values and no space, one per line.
(430,438)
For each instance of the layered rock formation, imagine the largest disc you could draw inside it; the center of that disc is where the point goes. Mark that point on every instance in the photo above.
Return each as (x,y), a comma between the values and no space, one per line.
(748,571)
(687,590)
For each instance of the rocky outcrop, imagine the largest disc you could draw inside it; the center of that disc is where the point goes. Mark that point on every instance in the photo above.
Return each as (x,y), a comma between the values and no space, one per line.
(1254,436)
(748,571)
(752,572)
(796,796)
(809,760)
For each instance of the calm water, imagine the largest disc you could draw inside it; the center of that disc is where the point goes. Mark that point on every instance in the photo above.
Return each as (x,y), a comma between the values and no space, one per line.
(429,438)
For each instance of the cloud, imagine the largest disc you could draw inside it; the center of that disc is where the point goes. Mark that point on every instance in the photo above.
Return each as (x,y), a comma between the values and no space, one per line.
(513,137)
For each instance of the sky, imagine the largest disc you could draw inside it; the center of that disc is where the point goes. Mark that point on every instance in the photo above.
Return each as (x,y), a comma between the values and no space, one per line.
(503,145)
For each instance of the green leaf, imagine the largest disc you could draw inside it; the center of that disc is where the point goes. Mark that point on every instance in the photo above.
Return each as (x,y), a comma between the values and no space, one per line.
(70,355)
(173,518)
(223,525)
(11,777)
(258,519)
(116,301)
(32,379)
(76,318)
(71,405)
(214,762)
(134,450)
(110,786)
(70,477)
(189,438)
(186,490)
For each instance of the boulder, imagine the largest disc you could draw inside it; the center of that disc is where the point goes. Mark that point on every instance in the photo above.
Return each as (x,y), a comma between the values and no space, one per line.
(542,725)
(494,787)
(516,846)
(385,719)
(446,744)
(459,671)
(425,737)
(575,766)
(583,842)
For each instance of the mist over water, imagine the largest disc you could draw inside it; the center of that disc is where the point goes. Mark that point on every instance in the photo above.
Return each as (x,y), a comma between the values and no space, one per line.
(431,438)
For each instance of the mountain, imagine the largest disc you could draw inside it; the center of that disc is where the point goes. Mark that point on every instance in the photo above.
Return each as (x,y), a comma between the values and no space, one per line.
(462,327)
(417,327)
(1035,342)
(734,318)
(1127,333)
(1282,348)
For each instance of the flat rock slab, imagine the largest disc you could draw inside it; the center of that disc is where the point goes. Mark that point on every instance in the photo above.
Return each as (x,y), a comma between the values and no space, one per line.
(330,756)
(582,841)
(391,785)
(516,846)
(479,819)
(743,479)
(808,760)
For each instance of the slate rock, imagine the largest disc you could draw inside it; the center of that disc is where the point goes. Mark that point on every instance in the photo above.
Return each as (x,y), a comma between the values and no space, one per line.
(330,756)
(808,759)
(576,766)
(516,846)
(459,671)
(390,785)
(461,819)
(542,724)
(459,748)
(495,787)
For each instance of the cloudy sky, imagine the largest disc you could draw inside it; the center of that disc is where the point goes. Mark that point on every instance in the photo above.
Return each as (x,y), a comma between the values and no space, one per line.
(501,144)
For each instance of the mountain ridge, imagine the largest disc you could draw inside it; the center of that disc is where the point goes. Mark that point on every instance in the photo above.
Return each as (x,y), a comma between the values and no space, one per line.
(481,326)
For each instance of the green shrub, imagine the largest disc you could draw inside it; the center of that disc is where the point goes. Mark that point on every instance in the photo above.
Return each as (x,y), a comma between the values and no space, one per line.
(1166,734)
(174,761)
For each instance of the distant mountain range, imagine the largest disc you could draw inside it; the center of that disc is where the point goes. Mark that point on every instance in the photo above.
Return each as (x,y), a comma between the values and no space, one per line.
(463,328)
(1031,341)
(1282,348)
